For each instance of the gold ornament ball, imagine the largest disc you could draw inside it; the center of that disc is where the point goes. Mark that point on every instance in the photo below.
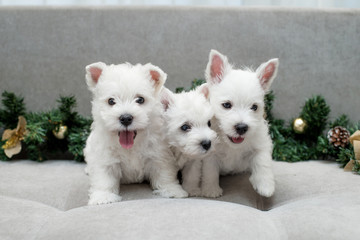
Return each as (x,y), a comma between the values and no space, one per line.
(299,125)
(61,132)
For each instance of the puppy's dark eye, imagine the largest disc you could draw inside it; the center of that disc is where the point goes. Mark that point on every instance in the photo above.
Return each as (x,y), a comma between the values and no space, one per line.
(254,107)
(185,127)
(227,105)
(140,100)
(111,101)
(209,123)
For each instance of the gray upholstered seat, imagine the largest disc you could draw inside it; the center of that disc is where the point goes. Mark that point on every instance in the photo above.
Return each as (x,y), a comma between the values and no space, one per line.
(43,53)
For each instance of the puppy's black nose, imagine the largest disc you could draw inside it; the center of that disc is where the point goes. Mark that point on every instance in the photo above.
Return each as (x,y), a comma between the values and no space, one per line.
(241,128)
(126,119)
(206,144)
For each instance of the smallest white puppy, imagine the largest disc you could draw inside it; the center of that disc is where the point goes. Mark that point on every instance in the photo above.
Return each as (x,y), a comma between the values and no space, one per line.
(187,116)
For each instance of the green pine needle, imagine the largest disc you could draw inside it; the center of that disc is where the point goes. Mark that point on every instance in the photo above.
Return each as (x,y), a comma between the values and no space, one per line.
(269,99)
(3,157)
(344,156)
(77,142)
(356,168)
(342,121)
(194,84)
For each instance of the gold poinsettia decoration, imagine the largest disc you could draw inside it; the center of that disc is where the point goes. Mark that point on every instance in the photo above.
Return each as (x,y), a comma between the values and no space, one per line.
(14,137)
(355,141)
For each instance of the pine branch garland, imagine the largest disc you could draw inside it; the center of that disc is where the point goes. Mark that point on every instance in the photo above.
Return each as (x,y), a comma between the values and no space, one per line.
(288,145)
(40,140)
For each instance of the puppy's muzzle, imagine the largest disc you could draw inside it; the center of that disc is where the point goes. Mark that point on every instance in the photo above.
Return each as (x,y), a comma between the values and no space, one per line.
(126,119)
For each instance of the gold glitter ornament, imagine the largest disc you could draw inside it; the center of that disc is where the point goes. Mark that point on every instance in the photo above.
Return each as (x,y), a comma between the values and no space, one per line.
(60,132)
(299,125)
(14,137)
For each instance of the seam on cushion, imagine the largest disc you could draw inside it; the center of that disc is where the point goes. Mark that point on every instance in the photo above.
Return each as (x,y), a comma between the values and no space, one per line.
(305,198)
(36,234)
(46,218)
(27,200)
(278,212)
(281,231)
(268,217)
(40,226)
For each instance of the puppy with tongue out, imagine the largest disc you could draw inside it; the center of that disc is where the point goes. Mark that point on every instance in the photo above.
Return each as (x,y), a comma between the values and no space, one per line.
(237,98)
(126,144)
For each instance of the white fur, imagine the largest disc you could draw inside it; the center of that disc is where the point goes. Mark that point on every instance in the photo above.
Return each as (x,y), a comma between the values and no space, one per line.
(149,158)
(190,108)
(243,89)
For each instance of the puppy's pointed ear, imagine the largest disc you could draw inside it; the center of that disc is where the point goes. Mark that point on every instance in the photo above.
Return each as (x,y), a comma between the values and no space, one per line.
(266,73)
(93,73)
(166,98)
(157,76)
(217,67)
(203,89)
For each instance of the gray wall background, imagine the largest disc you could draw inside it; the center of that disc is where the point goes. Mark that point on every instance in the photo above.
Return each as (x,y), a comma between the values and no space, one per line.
(43,51)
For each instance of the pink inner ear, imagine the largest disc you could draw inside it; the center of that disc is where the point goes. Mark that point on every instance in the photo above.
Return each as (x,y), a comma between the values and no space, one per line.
(155,75)
(165,102)
(216,66)
(268,73)
(95,73)
(205,91)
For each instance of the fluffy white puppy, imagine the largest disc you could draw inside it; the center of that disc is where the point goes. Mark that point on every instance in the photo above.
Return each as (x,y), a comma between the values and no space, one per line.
(187,119)
(127,142)
(237,98)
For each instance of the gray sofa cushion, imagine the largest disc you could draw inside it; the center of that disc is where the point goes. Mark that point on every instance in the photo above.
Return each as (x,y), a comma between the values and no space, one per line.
(59,184)
(162,219)
(313,200)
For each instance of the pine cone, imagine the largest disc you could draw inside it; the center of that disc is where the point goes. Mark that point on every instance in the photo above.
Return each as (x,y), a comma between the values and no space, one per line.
(338,137)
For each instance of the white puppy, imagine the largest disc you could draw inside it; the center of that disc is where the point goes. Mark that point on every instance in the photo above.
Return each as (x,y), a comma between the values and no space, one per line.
(126,141)
(187,116)
(237,97)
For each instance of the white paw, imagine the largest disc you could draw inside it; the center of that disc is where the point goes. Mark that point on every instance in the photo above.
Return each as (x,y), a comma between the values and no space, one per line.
(211,191)
(264,188)
(101,197)
(192,191)
(173,191)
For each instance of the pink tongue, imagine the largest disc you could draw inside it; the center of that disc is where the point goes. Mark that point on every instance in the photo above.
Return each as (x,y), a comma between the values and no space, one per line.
(126,139)
(237,140)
